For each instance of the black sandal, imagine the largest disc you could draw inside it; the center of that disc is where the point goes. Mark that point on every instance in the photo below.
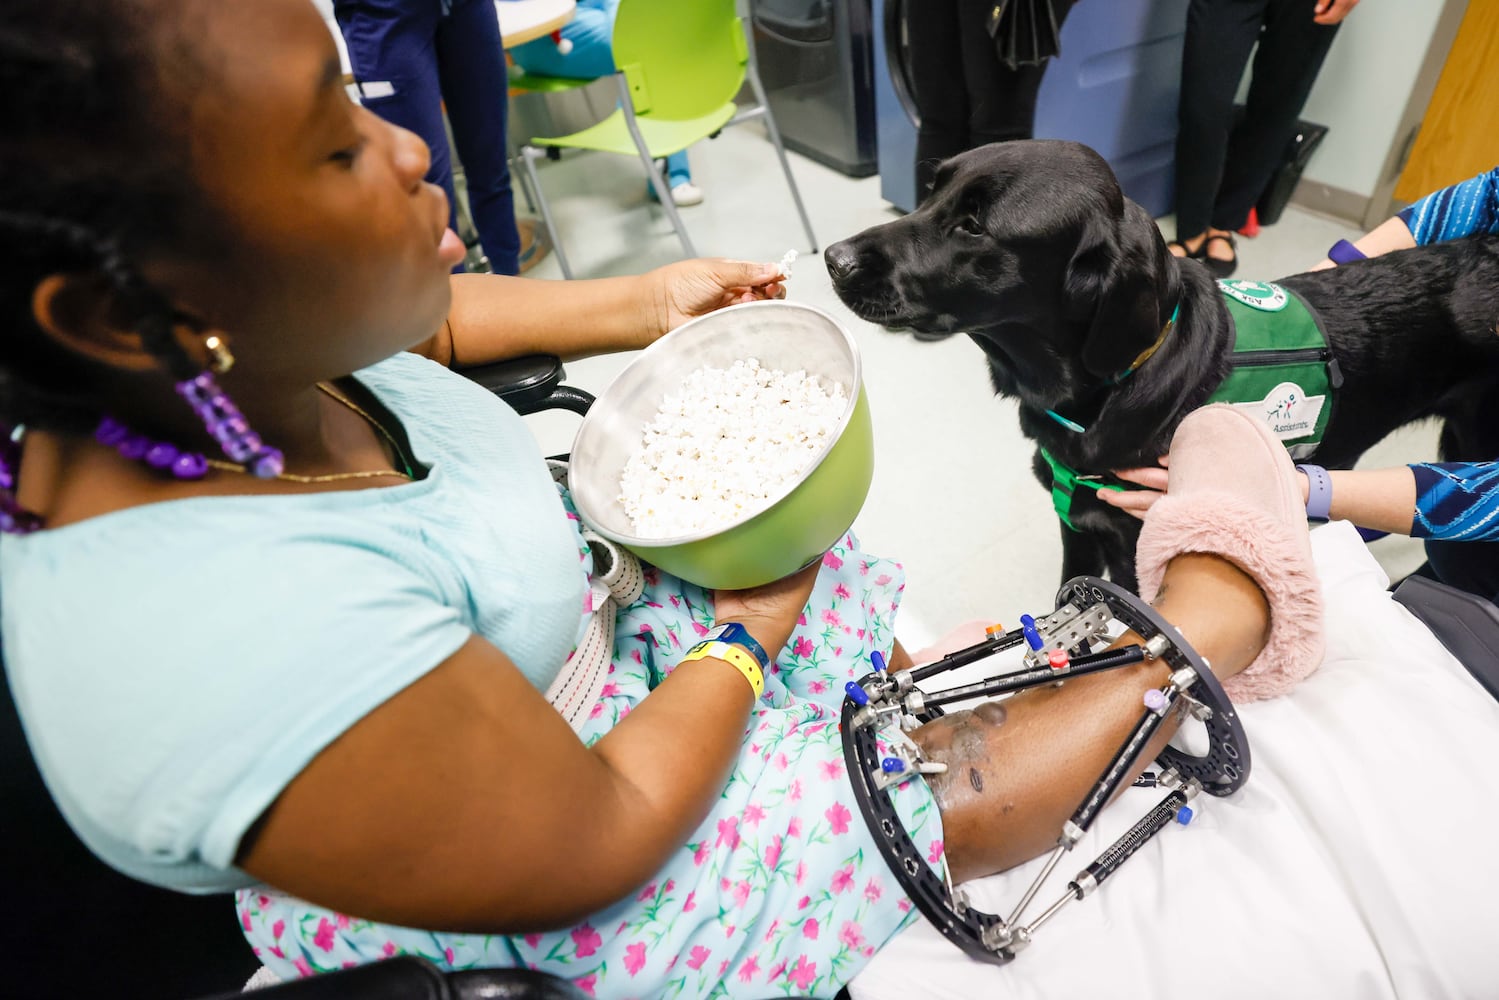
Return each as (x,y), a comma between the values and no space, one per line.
(1185,254)
(1221,268)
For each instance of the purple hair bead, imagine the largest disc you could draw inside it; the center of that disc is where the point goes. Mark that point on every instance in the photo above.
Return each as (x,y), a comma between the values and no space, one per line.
(244,447)
(14,520)
(224,423)
(199,389)
(161,455)
(189,465)
(135,447)
(111,432)
(270,464)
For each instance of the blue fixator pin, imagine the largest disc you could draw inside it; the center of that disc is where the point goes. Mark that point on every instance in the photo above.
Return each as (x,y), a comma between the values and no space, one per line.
(1184,815)
(1027,621)
(892,765)
(1033,638)
(877,659)
(856,693)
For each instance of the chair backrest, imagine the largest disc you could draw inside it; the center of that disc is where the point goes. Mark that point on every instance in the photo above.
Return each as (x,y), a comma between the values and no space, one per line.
(681,58)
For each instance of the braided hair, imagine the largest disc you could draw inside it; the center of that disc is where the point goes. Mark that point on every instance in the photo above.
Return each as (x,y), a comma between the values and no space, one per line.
(95,171)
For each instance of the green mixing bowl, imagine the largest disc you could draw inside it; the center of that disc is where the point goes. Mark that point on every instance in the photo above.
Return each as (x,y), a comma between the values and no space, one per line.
(791,530)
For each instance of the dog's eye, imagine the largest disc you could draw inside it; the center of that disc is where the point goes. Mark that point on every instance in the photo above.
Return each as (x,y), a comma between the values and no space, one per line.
(971,225)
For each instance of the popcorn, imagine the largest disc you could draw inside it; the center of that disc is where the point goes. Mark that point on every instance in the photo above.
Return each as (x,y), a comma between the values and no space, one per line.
(787,259)
(726,446)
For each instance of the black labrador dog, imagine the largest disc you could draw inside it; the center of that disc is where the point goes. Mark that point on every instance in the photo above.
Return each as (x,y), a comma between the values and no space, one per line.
(1032,250)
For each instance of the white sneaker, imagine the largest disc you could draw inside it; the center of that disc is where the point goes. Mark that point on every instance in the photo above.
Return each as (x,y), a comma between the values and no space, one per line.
(687,194)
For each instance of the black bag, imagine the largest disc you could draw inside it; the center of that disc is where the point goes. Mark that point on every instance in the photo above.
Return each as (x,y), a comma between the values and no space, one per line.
(1027,32)
(1287,173)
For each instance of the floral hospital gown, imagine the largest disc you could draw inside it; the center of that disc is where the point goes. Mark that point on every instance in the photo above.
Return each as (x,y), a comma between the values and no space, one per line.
(780,890)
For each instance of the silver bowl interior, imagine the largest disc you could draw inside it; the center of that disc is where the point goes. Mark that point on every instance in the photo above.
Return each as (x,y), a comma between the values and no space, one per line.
(783,335)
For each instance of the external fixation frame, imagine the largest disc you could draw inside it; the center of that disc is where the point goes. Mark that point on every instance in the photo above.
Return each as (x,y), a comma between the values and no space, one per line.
(885,706)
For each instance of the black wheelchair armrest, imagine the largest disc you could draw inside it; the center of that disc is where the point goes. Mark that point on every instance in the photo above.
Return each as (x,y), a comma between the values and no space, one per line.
(530,384)
(407,977)
(1465,623)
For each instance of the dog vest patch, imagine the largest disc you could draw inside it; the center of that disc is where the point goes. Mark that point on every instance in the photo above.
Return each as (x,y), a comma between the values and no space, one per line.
(1283,371)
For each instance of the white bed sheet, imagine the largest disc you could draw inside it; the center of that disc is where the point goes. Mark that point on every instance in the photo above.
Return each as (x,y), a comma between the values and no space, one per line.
(1358,862)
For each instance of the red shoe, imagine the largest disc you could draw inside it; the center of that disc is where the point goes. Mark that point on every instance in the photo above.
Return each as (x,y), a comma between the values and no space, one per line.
(1251,226)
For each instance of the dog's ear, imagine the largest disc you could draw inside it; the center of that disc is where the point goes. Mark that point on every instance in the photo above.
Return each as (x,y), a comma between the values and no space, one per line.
(1114,287)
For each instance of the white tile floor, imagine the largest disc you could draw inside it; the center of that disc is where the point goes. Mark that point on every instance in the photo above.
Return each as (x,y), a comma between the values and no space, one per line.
(953,497)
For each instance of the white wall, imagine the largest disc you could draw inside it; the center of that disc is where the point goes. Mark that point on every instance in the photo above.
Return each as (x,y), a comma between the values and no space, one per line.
(1363,87)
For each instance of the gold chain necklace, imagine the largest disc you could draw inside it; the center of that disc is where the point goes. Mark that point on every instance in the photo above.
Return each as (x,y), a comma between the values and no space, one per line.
(335,477)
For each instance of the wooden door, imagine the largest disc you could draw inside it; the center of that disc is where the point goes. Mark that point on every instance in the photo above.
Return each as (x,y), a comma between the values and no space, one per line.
(1459,135)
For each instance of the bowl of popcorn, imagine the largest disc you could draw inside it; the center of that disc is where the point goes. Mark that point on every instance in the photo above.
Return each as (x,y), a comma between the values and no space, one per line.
(734,450)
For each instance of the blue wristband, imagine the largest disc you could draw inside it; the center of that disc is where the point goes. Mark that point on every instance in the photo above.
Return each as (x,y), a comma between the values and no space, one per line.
(736,634)
(1343,252)
(1319,497)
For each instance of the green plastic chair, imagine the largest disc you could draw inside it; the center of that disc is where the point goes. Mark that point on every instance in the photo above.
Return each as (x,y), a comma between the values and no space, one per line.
(681,62)
(522,83)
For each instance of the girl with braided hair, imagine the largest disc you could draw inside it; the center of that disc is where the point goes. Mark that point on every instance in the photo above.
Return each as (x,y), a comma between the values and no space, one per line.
(282,594)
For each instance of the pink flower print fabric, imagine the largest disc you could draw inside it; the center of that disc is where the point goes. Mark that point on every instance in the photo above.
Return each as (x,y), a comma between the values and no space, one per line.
(780,890)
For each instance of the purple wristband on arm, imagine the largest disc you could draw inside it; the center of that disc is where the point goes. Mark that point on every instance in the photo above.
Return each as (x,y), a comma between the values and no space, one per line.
(1319,497)
(1343,252)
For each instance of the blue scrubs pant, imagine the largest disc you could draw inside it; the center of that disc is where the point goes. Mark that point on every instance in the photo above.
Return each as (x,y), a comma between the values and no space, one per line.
(435,53)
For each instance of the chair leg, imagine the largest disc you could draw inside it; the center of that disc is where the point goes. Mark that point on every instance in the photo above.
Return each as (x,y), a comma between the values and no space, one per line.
(546,211)
(658,181)
(775,138)
(525,183)
(663,192)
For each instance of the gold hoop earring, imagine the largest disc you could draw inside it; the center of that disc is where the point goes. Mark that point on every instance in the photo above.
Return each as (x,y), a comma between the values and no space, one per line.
(220,359)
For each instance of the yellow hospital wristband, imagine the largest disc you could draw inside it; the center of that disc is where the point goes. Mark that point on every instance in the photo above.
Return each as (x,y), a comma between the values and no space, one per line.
(738,658)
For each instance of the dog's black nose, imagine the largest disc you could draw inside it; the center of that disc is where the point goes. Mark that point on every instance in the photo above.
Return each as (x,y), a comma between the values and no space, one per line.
(841,259)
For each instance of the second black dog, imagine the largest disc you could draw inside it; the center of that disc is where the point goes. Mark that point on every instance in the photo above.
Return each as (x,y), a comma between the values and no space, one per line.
(1032,250)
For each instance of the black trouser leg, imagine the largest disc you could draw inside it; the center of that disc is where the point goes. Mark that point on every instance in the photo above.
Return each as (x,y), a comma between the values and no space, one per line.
(938,85)
(1220,35)
(1001,100)
(1292,48)
(965,96)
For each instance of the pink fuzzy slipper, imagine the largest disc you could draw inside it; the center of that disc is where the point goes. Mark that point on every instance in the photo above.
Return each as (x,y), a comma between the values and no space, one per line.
(1234,494)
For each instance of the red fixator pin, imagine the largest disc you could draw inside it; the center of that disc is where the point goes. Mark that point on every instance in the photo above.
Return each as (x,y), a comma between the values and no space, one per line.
(1058,659)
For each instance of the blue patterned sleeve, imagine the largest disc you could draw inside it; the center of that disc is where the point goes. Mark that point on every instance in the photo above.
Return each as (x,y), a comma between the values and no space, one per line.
(1467,209)
(1457,501)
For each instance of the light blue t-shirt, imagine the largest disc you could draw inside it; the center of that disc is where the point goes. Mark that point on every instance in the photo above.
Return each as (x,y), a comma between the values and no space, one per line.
(176,665)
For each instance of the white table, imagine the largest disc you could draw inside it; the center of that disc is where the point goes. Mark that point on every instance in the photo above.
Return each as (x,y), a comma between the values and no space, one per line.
(520,21)
(525,20)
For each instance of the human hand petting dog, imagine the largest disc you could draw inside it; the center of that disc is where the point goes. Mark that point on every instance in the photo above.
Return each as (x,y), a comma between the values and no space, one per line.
(1153,482)
(1137,503)
(1332,11)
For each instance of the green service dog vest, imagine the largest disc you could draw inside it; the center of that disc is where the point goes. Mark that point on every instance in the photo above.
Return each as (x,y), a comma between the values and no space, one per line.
(1282,373)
